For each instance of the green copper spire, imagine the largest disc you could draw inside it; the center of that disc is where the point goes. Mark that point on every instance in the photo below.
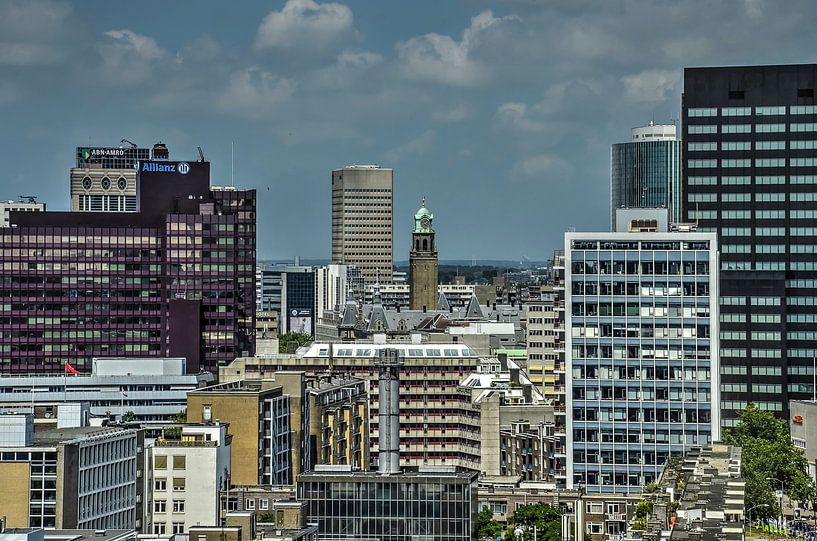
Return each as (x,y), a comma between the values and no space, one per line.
(423,220)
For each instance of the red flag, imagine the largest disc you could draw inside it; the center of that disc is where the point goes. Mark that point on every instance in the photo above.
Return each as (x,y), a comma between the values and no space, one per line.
(70,369)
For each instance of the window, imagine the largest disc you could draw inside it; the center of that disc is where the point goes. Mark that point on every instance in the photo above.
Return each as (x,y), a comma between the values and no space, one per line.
(802,214)
(735,197)
(160,484)
(702,181)
(733,180)
(767,370)
(702,146)
(770,128)
(811,144)
(766,354)
(803,109)
(803,231)
(159,528)
(736,128)
(733,301)
(701,128)
(178,527)
(733,387)
(736,163)
(178,506)
(735,145)
(766,197)
(249,503)
(736,231)
(733,318)
(263,504)
(159,506)
(773,110)
(736,248)
(770,231)
(733,335)
(770,179)
(160,462)
(178,484)
(770,265)
(803,127)
(696,112)
(702,197)
(770,214)
(731,370)
(766,388)
(694,164)
(770,249)
(803,196)
(770,145)
(766,335)
(178,462)
(803,179)
(703,214)
(736,111)
(765,301)
(736,214)
(770,162)
(765,318)
(802,162)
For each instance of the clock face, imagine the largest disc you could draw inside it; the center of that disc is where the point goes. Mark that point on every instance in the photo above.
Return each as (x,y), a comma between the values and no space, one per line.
(424,222)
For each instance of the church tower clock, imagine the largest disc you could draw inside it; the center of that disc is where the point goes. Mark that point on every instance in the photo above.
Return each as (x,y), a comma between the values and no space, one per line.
(423,262)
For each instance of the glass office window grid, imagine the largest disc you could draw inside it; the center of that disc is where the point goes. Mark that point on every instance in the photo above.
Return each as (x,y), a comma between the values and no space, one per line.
(785,154)
(390,508)
(42,494)
(642,360)
(646,174)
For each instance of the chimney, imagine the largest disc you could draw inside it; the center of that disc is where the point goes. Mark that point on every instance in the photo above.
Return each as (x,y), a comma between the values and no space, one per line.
(503,361)
(388,458)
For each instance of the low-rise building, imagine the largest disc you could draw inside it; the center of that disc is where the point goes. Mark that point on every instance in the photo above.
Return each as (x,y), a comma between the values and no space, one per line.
(71,478)
(188,466)
(148,389)
(28,205)
(803,429)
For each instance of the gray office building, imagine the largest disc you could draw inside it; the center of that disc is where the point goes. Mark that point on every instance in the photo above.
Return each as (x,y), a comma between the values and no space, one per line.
(362,220)
(641,321)
(646,172)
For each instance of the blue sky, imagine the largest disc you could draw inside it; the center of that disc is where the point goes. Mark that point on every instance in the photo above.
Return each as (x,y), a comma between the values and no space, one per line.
(500,113)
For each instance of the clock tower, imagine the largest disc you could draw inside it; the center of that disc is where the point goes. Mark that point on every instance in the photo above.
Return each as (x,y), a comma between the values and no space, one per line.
(423,262)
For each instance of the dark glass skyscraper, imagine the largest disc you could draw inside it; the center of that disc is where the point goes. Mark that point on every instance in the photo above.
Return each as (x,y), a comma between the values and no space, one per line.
(750,174)
(646,172)
(174,278)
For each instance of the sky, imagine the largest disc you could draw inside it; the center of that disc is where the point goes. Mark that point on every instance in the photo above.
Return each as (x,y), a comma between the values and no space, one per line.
(500,113)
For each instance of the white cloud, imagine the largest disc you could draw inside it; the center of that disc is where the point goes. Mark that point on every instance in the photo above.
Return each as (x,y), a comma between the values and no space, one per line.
(652,85)
(541,164)
(31,31)
(515,116)
(254,92)
(128,57)
(416,147)
(441,59)
(348,67)
(457,114)
(305,24)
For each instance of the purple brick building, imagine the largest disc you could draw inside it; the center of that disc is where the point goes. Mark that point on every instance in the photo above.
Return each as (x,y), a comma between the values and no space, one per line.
(175,278)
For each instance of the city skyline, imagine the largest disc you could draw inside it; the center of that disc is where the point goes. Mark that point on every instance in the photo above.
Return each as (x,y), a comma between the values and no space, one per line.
(302,88)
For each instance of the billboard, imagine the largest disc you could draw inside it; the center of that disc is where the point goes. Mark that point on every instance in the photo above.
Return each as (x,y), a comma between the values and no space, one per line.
(111,157)
(300,321)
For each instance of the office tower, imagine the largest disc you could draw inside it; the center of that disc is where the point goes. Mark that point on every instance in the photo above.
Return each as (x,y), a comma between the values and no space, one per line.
(174,279)
(642,354)
(289,290)
(334,283)
(27,204)
(104,179)
(646,172)
(362,220)
(423,262)
(750,175)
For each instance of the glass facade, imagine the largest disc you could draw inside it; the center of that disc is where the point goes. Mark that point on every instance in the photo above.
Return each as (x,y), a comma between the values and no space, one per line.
(642,354)
(646,175)
(763,208)
(174,279)
(409,507)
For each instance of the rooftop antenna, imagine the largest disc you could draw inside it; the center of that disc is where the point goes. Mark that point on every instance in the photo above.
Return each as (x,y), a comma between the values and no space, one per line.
(131,143)
(201,154)
(28,198)
(232,163)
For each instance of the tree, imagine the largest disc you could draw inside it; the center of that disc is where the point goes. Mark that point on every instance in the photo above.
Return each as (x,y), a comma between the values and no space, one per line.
(180,417)
(291,341)
(768,452)
(487,526)
(546,519)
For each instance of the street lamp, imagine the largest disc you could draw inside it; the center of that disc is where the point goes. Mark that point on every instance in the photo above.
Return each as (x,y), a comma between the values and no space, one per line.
(749,513)
(782,490)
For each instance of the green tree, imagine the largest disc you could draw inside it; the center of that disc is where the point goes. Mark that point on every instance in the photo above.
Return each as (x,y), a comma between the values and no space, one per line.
(546,519)
(291,341)
(487,525)
(768,452)
(180,417)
